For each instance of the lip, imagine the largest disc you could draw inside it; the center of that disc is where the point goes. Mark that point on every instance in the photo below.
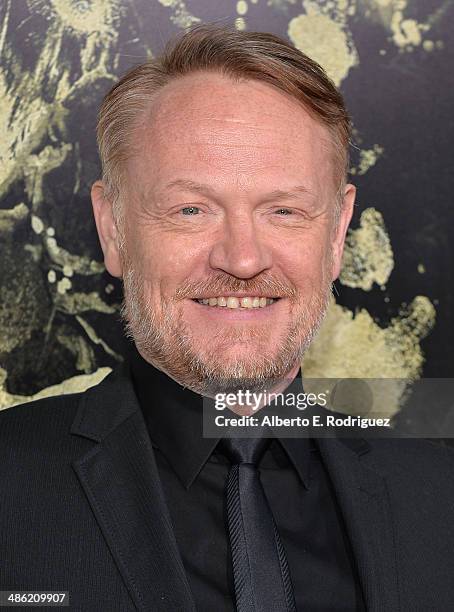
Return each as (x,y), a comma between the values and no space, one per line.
(223,313)
(241,294)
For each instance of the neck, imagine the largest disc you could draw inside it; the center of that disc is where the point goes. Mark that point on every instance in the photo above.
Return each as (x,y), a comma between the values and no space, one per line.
(254,401)
(259,400)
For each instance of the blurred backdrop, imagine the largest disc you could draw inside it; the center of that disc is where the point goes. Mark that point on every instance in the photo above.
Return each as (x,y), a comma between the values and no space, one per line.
(393,60)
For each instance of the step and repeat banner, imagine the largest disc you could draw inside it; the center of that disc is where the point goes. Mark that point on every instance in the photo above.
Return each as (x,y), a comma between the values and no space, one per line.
(60,329)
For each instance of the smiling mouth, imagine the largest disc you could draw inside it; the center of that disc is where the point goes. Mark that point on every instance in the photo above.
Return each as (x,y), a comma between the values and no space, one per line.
(243,303)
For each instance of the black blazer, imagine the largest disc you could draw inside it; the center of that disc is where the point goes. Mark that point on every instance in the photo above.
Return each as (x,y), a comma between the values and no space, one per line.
(82,509)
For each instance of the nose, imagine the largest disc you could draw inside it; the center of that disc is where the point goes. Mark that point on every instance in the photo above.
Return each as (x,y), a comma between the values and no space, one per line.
(239,249)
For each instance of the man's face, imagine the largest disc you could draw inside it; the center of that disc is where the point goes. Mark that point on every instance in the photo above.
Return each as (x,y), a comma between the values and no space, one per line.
(230,194)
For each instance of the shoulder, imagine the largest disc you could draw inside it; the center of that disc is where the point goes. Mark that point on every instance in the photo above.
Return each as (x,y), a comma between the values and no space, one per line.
(45,427)
(423,466)
(37,432)
(39,413)
(55,413)
(40,409)
(411,452)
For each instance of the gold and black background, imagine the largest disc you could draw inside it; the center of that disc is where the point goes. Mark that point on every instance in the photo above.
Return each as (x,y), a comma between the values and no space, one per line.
(393,60)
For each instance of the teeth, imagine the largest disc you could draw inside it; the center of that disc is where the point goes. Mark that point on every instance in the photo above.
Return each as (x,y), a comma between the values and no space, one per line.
(234,302)
(246,302)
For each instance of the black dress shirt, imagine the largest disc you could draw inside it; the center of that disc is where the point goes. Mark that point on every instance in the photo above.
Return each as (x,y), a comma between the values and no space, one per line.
(193,473)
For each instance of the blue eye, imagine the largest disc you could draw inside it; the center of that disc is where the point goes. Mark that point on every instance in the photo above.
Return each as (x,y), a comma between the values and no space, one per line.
(191,210)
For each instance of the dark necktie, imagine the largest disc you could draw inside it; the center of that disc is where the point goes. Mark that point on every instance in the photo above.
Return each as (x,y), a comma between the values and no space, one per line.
(260,570)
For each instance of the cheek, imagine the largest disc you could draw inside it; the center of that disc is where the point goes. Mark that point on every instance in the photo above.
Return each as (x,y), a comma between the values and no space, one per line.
(182,257)
(150,254)
(164,264)
(304,260)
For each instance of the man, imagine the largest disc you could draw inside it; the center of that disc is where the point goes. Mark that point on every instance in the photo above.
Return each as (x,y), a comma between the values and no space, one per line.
(223,207)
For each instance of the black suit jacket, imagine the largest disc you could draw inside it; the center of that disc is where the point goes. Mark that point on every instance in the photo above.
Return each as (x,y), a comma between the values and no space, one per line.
(82,509)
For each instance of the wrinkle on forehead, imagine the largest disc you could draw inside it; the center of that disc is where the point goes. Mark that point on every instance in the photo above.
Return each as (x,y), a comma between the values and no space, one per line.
(211,99)
(238,128)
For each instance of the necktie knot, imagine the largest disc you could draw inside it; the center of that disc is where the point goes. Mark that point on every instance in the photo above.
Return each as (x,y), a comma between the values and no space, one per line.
(244,450)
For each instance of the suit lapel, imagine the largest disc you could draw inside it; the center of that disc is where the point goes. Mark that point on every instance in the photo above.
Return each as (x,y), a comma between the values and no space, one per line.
(363,499)
(120,479)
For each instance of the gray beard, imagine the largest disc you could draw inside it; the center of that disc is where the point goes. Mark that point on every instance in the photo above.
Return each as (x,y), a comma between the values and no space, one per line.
(168,344)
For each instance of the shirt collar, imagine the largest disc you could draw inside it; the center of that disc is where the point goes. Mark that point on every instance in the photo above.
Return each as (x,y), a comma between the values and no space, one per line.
(299,452)
(173,415)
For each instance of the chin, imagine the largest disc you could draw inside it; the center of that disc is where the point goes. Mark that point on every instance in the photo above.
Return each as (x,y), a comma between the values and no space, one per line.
(245,361)
(239,364)
(242,351)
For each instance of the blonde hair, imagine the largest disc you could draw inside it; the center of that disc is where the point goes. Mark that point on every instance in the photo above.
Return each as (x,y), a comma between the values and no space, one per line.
(258,56)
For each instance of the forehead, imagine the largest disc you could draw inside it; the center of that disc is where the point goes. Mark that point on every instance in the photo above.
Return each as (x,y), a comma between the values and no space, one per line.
(208,126)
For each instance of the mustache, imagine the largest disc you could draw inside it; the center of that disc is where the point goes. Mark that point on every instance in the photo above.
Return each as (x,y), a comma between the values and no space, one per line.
(220,284)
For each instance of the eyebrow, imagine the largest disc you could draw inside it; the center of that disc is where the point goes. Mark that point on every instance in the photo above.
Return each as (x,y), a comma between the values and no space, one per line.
(278,194)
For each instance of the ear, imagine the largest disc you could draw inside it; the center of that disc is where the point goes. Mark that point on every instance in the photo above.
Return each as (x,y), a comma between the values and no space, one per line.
(107,229)
(341,230)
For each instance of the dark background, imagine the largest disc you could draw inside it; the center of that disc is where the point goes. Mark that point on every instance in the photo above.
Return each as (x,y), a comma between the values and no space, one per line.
(59,307)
